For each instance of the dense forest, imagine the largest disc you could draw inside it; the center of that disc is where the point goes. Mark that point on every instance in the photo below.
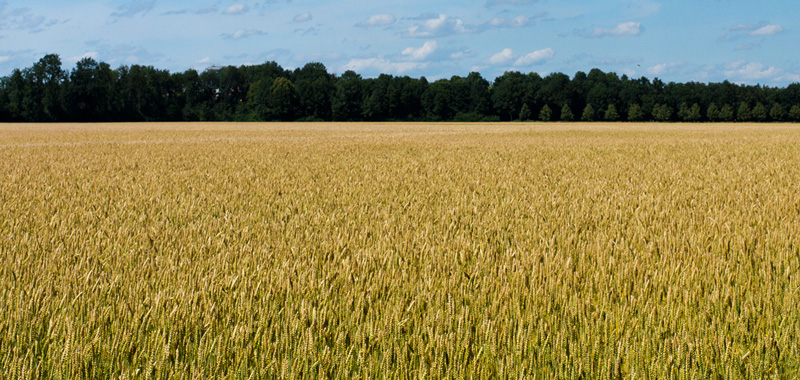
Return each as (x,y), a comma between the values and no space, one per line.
(94,92)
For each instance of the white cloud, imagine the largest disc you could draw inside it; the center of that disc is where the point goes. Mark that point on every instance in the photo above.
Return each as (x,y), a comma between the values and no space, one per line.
(516,22)
(768,30)
(377,20)
(420,53)
(4,58)
(303,17)
(236,9)
(535,57)
(383,65)
(630,28)
(503,57)
(204,60)
(750,72)
(243,33)
(437,26)
(663,68)
(462,54)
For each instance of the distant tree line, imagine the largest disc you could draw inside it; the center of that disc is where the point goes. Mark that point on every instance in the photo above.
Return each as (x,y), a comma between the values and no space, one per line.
(94,92)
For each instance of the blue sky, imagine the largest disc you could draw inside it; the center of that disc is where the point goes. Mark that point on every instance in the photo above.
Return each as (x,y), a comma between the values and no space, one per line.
(751,42)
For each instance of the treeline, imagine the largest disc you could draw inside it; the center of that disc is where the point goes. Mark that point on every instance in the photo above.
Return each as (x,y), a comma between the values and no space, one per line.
(94,92)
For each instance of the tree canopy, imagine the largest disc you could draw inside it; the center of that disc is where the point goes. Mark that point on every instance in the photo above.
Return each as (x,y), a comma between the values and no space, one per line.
(94,92)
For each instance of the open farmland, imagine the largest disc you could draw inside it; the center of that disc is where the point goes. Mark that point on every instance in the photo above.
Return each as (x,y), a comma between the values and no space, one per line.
(400,251)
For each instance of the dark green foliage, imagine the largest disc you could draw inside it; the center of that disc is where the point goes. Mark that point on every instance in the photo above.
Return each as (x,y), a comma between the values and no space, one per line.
(713,112)
(546,114)
(566,113)
(776,113)
(588,113)
(662,112)
(686,113)
(525,113)
(93,91)
(726,113)
(611,113)
(635,113)
(759,112)
(794,113)
(743,112)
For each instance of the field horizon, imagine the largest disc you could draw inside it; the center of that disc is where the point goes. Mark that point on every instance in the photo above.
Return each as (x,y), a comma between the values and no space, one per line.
(400,250)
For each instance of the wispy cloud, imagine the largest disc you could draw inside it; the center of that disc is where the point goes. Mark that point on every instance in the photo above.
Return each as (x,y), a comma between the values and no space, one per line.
(303,17)
(383,65)
(516,22)
(133,9)
(664,68)
(751,30)
(755,71)
(25,19)
(203,11)
(236,9)
(493,3)
(767,30)
(377,21)
(438,26)
(242,33)
(630,28)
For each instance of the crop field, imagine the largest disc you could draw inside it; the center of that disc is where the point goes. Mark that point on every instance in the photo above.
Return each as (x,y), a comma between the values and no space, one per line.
(407,251)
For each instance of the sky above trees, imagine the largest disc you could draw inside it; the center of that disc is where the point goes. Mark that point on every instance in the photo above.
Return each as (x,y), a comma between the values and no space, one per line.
(749,42)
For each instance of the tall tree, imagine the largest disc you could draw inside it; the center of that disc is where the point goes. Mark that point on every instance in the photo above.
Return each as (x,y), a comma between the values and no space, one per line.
(566,113)
(283,102)
(314,90)
(91,91)
(347,98)
(508,94)
(546,113)
(776,113)
(588,113)
(635,113)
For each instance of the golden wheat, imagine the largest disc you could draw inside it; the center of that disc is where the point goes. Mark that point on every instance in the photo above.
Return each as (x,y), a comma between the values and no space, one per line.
(399,251)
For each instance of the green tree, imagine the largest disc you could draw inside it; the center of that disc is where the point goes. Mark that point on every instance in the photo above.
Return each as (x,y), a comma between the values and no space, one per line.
(588,113)
(662,112)
(45,98)
(347,98)
(635,113)
(794,112)
(508,94)
(283,101)
(566,113)
(611,113)
(693,114)
(713,112)
(776,113)
(759,112)
(258,99)
(743,112)
(90,92)
(314,88)
(438,99)
(683,111)
(726,113)
(525,113)
(546,113)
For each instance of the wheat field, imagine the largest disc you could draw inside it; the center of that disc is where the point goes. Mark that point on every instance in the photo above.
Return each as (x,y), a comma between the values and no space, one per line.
(400,251)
